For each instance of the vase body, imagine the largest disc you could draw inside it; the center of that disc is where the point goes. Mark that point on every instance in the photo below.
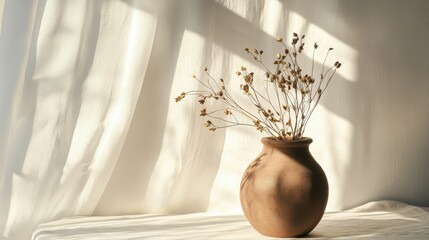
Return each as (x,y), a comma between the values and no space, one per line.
(284,191)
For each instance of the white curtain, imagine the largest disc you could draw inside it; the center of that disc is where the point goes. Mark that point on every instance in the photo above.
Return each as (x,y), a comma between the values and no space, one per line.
(89,126)
(71,73)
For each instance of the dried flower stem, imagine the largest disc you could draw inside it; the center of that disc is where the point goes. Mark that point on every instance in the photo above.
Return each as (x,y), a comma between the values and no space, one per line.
(284,116)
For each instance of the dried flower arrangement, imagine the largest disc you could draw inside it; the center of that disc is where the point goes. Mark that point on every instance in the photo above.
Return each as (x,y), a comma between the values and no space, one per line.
(283,116)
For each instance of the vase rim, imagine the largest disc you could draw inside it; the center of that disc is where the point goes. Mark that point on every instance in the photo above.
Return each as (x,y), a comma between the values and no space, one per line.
(302,142)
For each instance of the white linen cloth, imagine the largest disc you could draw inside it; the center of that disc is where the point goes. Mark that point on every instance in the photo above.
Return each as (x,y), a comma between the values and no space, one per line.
(375,220)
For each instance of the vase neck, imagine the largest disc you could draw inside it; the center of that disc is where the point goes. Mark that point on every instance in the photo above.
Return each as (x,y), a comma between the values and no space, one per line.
(304,142)
(296,149)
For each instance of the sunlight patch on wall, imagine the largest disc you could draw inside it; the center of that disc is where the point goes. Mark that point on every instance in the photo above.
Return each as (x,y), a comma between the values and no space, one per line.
(241,8)
(273,13)
(296,23)
(342,52)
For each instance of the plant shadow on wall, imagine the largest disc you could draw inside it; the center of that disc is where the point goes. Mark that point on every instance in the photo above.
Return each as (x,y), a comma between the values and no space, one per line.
(385,101)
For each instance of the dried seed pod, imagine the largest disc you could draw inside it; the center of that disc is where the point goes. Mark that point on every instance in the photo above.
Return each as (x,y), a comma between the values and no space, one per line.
(208,123)
(180,97)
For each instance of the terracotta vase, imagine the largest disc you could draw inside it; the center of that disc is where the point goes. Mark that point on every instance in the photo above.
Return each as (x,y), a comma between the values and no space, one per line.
(284,191)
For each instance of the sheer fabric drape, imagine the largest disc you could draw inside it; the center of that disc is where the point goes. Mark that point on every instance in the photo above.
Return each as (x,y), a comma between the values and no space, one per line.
(71,73)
